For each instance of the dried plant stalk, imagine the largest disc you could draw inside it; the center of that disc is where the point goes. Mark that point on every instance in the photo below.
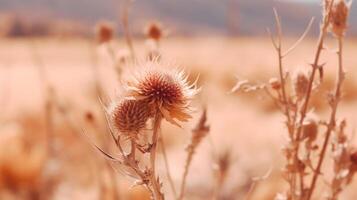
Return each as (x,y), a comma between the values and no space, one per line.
(302,127)
(344,162)
(198,134)
(153,149)
(336,96)
(154,95)
(125,24)
(48,93)
(223,163)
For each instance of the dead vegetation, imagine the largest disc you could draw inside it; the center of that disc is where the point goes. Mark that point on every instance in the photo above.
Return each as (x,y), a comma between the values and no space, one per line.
(125,147)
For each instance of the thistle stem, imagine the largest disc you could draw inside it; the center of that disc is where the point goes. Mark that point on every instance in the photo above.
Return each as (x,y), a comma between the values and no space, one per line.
(332,122)
(155,137)
(315,66)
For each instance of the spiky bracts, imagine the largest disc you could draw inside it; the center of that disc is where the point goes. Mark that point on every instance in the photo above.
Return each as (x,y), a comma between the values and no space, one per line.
(166,91)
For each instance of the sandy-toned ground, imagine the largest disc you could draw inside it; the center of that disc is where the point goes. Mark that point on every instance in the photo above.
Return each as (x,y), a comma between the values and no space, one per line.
(247,124)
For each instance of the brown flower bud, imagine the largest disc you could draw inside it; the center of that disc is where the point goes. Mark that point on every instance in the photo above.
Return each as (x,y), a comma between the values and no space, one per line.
(154,31)
(129,117)
(89,116)
(300,83)
(310,127)
(338,18)
(104,32)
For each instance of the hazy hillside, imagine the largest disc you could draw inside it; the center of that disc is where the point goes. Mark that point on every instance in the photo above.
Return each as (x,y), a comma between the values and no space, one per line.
(184,16)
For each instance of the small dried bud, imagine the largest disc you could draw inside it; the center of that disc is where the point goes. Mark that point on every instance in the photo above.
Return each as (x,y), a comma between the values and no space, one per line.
(89,117)
(338,18)
(300,83)
(129,117)
(341,135)
(104,32)
(154,31)
(275,83)
(310,127)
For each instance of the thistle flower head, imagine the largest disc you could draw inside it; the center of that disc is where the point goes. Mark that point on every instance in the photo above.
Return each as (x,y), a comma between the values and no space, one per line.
(338,18)
(310,127)
(129,117)
(300,83)
(154,31)
(166,91)
(104,32)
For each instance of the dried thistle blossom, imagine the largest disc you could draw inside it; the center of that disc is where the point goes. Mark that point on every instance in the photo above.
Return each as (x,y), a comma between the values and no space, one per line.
(129,117)
(166,91)
(154,31)
(300,83)
(104,32)
(338,18)
(310,127)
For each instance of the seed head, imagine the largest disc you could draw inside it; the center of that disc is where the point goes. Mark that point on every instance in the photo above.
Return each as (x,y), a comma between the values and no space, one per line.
(166,91)
(275,83)
(129,117)
(338,18)
(310,127)
(154,31)
(104,32)
(300,83)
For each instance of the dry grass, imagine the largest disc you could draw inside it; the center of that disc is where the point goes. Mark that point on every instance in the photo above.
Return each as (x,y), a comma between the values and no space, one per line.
(234,152)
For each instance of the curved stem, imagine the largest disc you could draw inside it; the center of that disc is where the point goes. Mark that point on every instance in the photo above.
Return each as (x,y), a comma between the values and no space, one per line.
(184,176)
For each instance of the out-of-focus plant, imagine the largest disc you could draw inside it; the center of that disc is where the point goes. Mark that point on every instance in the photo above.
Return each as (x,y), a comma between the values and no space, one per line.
(306,149)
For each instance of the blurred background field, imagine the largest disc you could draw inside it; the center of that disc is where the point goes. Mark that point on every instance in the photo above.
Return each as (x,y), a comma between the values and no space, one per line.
(206,41)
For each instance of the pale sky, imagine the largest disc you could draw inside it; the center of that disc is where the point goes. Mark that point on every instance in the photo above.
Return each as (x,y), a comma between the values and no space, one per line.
(312,1)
